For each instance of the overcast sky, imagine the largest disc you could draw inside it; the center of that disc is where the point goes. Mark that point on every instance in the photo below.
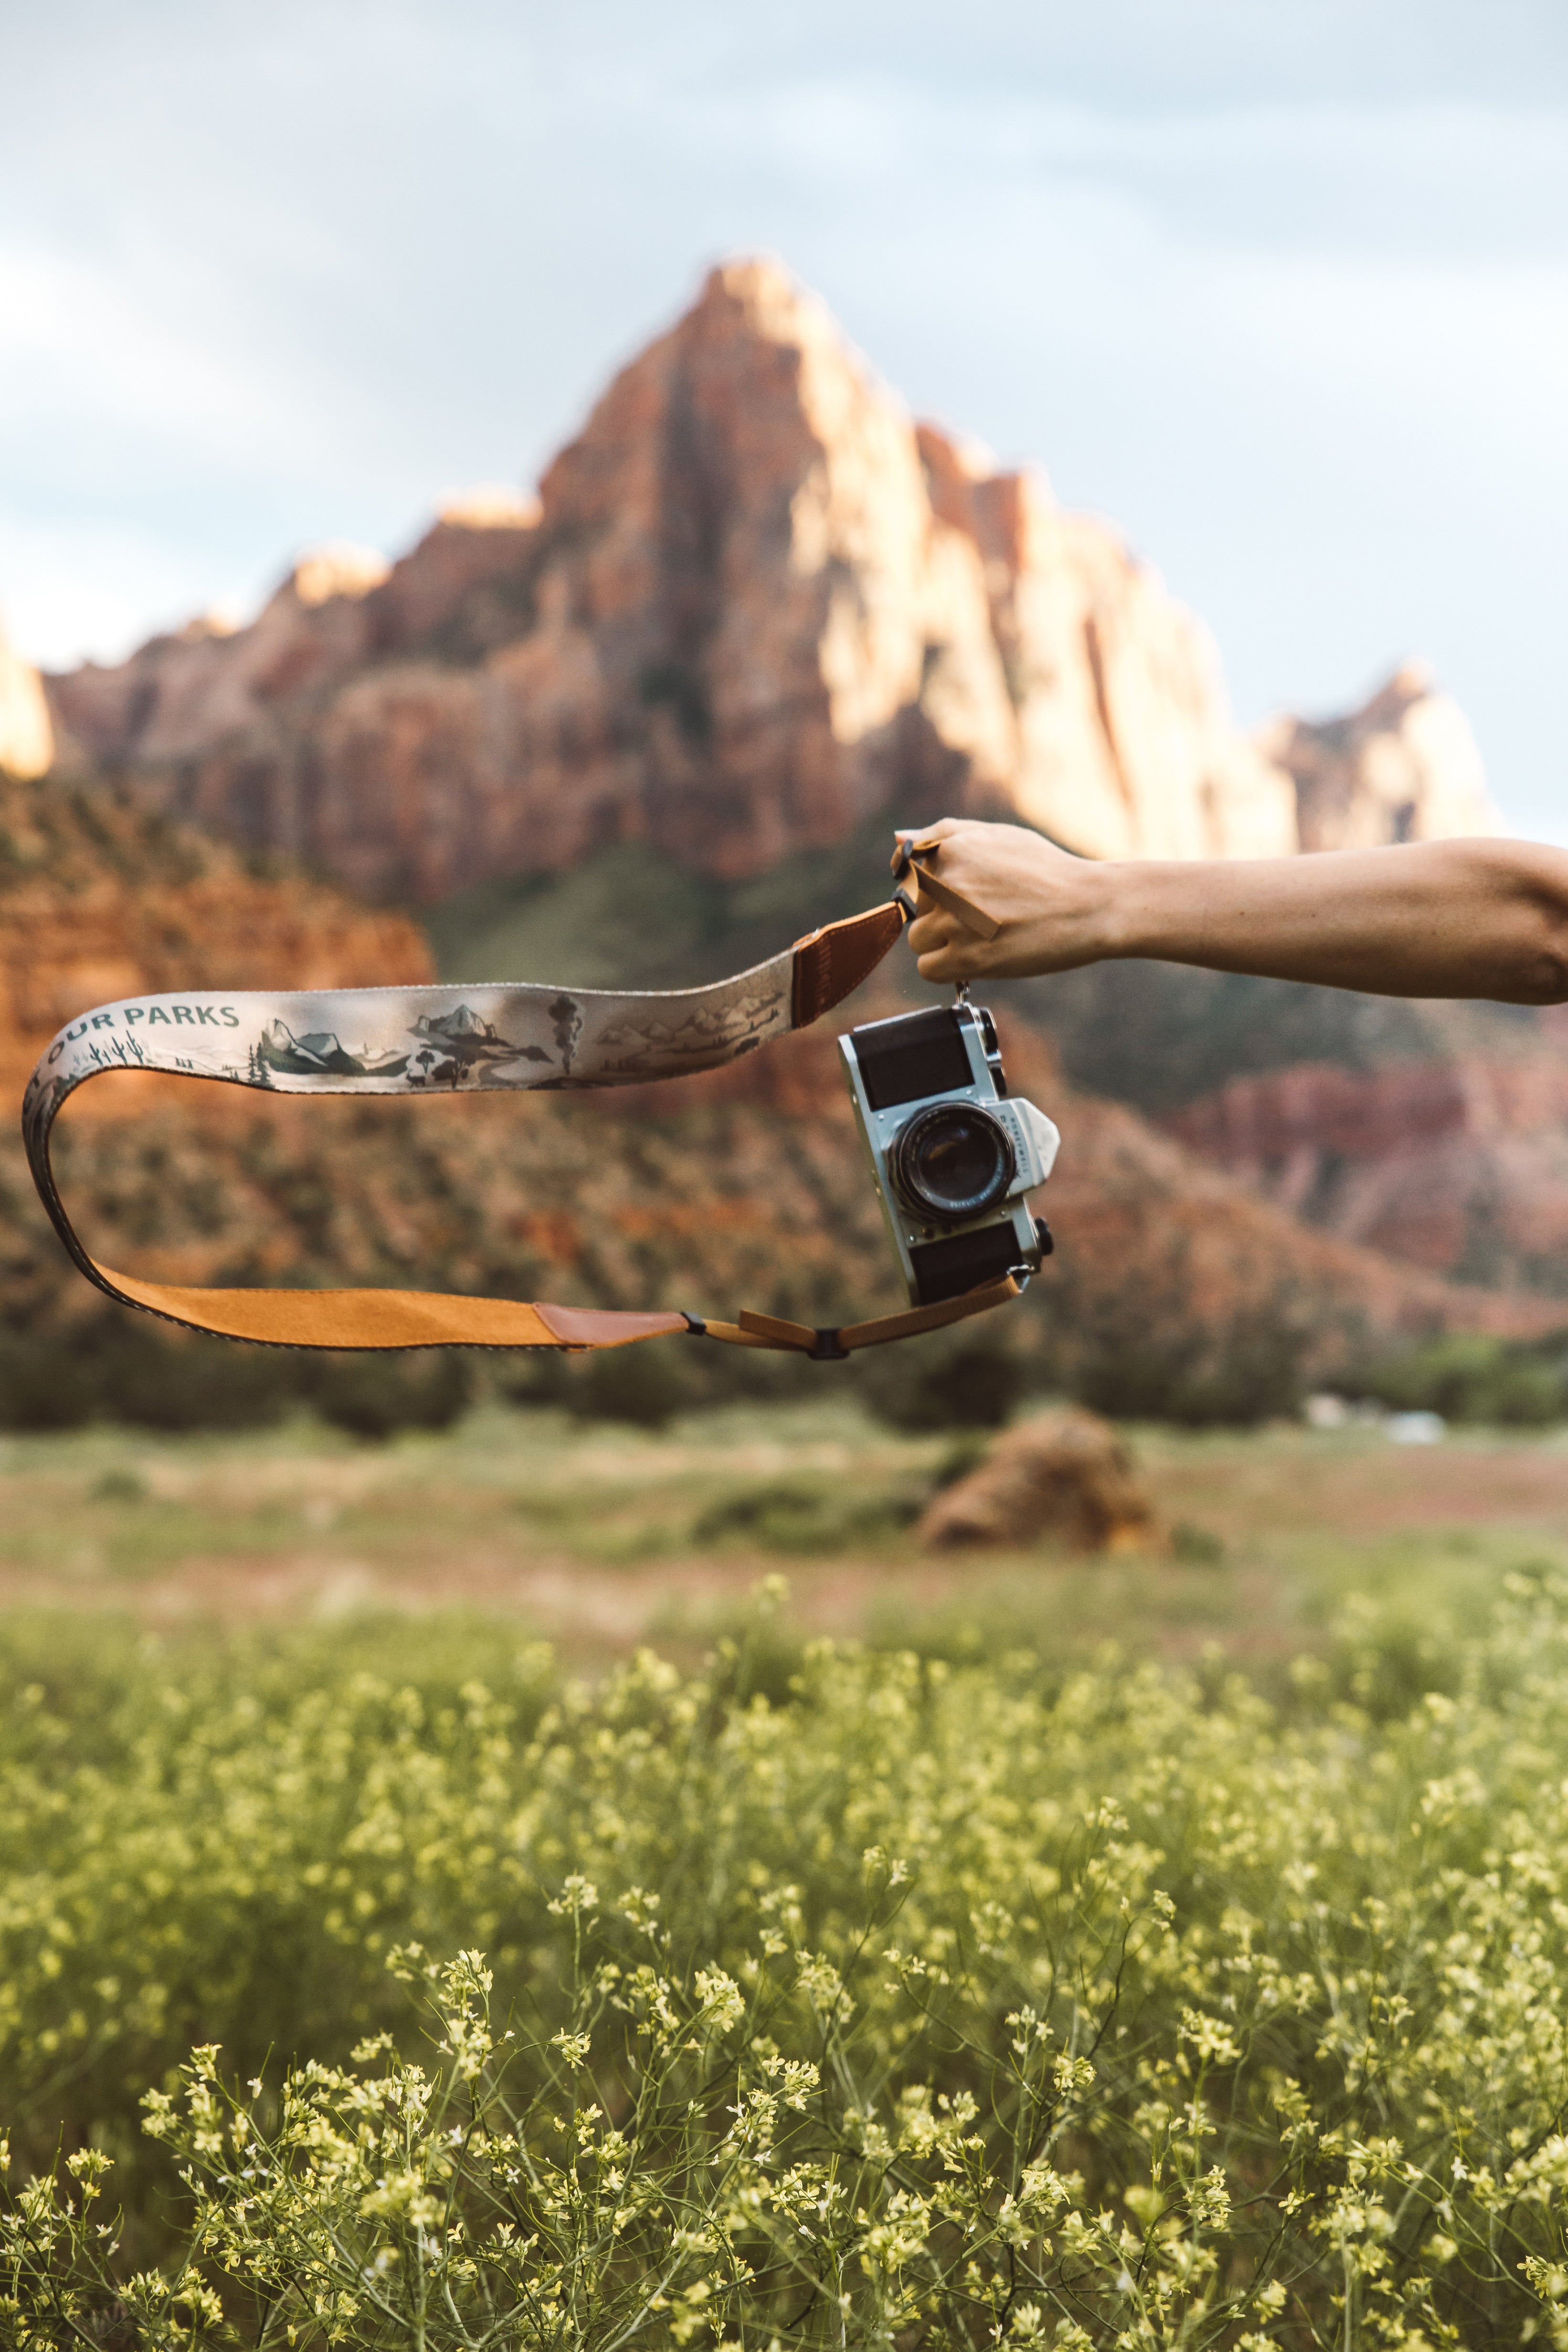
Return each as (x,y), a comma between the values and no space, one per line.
(1281,289)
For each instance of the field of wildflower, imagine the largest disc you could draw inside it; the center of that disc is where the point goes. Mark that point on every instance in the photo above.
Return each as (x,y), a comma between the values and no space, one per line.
(382,1985)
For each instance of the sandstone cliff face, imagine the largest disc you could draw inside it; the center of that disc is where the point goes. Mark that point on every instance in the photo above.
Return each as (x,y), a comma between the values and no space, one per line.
(1402,768)
(1459,1166)
(1123,741)
(27,738)
(753,606)
(99,900)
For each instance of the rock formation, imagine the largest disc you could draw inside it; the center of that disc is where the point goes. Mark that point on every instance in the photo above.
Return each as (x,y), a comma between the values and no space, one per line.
(1063,1476)
(753,604)
(27,738)
(1402,768)
(1456,1165)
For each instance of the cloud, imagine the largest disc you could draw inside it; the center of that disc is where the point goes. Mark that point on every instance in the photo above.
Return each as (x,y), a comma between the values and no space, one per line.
(1281,290)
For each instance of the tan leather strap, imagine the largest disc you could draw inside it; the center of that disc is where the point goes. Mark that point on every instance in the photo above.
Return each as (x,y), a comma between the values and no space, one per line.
(919,855)
(418,1041)
(829,1344)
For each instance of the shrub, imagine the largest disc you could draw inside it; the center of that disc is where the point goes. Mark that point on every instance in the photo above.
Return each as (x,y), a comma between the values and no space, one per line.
(791,1515)
(917,2004)
(950,1380)
(154,1381)
(1467,1376)
(1143,1359)
(373,1396)
(647,1385)
(42,1384)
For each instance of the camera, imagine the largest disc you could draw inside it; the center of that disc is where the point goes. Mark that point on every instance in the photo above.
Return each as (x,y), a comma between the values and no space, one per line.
(953,1155)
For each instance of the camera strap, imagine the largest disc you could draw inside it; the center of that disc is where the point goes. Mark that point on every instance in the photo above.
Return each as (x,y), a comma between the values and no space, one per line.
(414,1042)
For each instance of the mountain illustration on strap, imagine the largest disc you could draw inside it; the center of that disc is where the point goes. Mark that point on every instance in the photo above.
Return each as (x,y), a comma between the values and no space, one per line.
(466,1039)
(321,1055)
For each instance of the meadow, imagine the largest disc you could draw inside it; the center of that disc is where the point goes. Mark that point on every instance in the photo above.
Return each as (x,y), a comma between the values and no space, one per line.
(457,1893)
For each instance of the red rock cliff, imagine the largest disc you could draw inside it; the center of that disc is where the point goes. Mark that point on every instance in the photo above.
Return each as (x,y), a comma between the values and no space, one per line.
(753,606)
(1460,1166)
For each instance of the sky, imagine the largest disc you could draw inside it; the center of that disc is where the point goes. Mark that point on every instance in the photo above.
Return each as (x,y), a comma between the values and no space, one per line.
(1281,290)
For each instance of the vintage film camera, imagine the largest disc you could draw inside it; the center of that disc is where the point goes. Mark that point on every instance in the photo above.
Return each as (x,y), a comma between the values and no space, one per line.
(951,1153)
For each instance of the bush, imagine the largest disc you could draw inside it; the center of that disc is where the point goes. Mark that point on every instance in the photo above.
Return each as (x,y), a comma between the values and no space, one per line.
(1136,1363)
(127,1370)
(373,1396)
(914,2004)
(42,1384)
(121,1371)
(789,1515)
(647,1384)
(154,1381)
(949,1380)
(1469,1377)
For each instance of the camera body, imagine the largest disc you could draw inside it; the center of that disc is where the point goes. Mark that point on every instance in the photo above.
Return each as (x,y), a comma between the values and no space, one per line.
(952,1154)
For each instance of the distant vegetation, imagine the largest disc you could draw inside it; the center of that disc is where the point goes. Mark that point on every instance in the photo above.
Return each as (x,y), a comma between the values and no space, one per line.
(826,1997)
(1470,1377)
(1136,1355)
(1245,1369)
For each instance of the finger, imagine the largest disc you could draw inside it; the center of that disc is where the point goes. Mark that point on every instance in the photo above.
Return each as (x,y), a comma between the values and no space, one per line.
(947,964)
(930,931)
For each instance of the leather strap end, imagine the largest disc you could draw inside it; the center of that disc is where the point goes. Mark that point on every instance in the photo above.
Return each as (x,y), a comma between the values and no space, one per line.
(884,1327)
(973,919)
(831,963)
(734,1335)
(776,1331)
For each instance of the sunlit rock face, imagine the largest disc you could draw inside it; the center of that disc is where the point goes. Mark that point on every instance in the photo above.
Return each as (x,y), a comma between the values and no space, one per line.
(753,606)
(27,738)
(1402,768)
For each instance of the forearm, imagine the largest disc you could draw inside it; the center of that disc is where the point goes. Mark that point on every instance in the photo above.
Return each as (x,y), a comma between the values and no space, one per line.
(1435,918)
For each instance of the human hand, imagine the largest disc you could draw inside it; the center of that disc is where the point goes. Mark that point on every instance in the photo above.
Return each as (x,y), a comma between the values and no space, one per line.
(1051,909)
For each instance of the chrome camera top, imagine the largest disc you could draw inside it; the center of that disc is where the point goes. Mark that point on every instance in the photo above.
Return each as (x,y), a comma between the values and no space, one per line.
(951,1153)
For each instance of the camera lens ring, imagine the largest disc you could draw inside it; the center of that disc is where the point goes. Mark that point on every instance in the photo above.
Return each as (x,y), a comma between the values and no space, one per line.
(953,1160)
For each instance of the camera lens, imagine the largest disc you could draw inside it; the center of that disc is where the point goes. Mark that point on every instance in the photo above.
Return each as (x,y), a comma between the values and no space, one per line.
(953,1161)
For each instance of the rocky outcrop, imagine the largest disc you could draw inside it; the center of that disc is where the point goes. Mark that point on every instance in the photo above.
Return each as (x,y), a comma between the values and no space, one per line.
(1405,767)
(1123,745)
(100,900)
(1065,1477)
(753,606)
(1459,1166)
(27,738)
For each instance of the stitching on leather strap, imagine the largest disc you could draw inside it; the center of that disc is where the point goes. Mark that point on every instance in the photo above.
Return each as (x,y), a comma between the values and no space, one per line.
(831,963)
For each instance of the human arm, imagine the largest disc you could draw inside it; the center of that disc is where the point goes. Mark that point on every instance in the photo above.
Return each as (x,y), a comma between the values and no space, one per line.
(1481,919)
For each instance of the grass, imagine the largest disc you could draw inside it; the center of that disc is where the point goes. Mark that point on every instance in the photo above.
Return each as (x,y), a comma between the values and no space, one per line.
(597,1536)
(1290,1941)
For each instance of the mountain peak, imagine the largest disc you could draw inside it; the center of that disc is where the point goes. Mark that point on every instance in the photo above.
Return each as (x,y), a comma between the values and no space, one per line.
(757,605)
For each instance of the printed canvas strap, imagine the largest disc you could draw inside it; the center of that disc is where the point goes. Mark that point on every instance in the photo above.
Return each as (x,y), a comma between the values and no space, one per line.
(428,1041)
